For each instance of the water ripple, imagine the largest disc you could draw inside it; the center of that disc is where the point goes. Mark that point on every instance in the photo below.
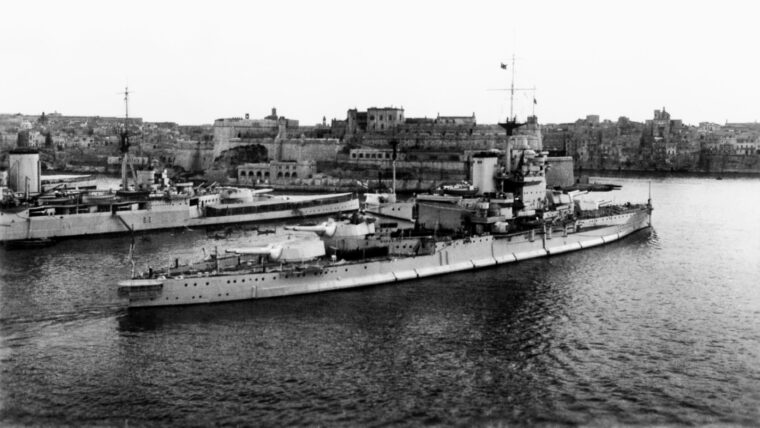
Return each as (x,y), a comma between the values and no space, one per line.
(661,328)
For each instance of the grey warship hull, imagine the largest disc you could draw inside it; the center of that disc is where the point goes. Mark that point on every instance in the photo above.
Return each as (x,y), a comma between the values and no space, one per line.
(241,282)
(68,221)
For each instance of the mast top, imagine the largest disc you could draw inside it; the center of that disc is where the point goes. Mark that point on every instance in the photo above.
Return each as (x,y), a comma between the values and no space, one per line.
(511,123)
(125,132)
(126,104)
(512,91)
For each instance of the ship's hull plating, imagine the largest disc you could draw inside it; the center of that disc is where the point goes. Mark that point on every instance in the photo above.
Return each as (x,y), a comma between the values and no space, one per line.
(454,256)
(19,226)
(393,210)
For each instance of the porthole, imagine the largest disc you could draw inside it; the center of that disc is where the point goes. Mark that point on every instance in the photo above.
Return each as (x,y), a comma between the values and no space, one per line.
(185,285)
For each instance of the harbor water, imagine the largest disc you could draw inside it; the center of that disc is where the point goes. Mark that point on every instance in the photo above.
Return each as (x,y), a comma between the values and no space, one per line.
(662,327)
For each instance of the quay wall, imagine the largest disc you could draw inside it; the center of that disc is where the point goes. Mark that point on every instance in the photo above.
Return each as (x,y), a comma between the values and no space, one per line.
(720,163)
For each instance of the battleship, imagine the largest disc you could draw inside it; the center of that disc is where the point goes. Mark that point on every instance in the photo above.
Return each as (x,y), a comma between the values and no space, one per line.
(30,215)
(513,217)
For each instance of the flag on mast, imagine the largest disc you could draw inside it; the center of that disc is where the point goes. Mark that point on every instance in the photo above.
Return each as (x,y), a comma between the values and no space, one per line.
(534,100)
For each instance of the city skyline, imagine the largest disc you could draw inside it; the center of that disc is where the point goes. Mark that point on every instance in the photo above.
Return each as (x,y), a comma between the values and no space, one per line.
(193,63)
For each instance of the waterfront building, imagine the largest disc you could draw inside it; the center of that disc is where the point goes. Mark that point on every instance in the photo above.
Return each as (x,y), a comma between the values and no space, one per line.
(275,172)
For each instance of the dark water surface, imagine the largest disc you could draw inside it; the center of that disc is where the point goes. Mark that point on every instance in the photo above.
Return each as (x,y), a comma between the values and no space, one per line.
(660,328)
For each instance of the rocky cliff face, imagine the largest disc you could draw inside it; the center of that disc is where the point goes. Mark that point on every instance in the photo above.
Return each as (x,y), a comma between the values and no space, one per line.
(230,159)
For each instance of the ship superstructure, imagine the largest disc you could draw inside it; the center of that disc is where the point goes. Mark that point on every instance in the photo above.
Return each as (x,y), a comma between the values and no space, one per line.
(386,205)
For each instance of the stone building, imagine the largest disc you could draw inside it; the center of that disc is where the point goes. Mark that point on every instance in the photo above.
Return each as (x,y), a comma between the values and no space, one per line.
(659,127)
(592,119)
(661,143)
(455,120)
(235,129)
(372,155)
(384,119)
(375,119)
(707,127)
(275,172)
(356,121)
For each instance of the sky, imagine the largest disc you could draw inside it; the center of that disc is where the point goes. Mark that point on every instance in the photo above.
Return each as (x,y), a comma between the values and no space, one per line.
(193,62)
